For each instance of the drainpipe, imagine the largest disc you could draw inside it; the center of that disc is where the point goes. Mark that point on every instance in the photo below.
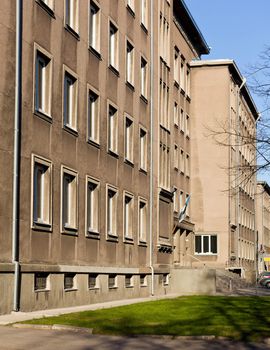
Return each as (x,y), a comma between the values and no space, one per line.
(151,145)
(16,159)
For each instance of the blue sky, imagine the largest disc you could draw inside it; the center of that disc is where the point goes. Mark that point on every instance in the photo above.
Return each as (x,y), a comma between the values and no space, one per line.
(235,29)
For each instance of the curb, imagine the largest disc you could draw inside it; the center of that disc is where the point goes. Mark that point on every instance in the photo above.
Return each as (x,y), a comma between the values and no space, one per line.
(58,327)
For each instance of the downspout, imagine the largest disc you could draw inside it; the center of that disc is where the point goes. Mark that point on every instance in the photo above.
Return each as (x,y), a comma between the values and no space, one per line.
(151,145)
(16,157)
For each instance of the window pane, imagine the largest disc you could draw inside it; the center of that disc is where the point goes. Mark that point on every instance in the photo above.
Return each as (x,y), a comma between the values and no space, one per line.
(214,244)
(206,244)
(198,244)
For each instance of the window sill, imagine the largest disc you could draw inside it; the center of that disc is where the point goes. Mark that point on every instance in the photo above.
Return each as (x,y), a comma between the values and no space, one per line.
(206,254)
(144,28)
(113,153)
(92,234)
(187,136)
(70,130)
(176,169)
(129,287)
(129,162)
(112,238)
(70,231)
(176,84)
(113,288)
(128,240)
(114,70)
(70,290)
(95,52)
(41,226)
(142,243)
(143,285)
(94,288)
(130,85)
(144,99)
(176,125)
(182,131)
(132,13)
(41,290)
(188,98)
(43,116)
(93,143)
(182,91)
(72,32)
(143,171)
(45,7)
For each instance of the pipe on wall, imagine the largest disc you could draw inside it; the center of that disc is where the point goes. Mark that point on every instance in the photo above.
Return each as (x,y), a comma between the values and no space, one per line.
(17,157)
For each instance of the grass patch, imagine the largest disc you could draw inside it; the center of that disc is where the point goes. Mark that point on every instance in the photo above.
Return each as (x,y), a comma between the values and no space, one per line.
(239,318)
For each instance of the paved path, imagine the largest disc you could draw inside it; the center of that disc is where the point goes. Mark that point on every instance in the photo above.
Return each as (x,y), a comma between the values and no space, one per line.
(24,339)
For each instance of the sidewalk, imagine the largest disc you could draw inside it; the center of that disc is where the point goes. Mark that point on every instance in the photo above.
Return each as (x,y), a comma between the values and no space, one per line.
(24,316)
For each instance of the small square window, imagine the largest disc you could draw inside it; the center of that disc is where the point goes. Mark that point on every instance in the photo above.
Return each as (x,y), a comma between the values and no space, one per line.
(41,281)
(112,279)
(69,281)
(165,279)
(93,281)
(129,281)
(143,280)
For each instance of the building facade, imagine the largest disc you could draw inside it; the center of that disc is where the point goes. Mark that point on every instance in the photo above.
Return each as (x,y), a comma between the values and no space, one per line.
(263,225)
(95,149)
(223,162)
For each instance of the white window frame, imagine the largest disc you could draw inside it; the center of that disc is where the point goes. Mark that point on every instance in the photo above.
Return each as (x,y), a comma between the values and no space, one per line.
(144,77)
(130,62)
(72,15)
(43,57)
(129,138)
(112,122)
(92,206)
(94,26)
(209,244)
(113,45)
(143,148)
(142,222)
(41,223)
(71,207)
(128,216)
(70,105)
(93,115)
(111,212)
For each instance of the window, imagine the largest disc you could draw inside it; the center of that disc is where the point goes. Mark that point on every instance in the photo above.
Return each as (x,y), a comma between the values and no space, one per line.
(69,281)
(142,220)
(93,116)
(70,101)
(69,200)
(187,125)
(42,193)
(176,114)
(43,82)
(175,201)
(130,63)
(113,46)
(41,281)
(112,129)
(94,26)
(131,5)
(187,165)
(48,5)
(182,74)
(188,206)
(128,281)
(112,194)
(176,157)
(165,279)
(143,280)
(182,161)
(181,200)
(144,78)
(182,121)
(188,81)
(176,71)
(144,13)
(93,281)
(206,244)
(92,205)
(129,139)
(128,216)
(112,281)
(72,15)
(143,149)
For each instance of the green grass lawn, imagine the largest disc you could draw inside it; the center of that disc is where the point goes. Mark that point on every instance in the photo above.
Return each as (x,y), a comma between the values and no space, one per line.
(241,318)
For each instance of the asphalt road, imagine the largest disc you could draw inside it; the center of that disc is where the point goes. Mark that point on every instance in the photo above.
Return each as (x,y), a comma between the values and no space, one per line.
(24,339)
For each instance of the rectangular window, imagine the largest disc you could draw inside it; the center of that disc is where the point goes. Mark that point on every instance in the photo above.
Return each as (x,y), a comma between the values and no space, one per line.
(165,279)
(112,282)
(129,146)
(182,161)
(175,201)
(182,121)
(69,200)
(72,15)
(93,281)
(41,281)
(131,5)
(93,116)
(112,129)
(144,13)
(176,157)
(70,101)
(206,244)
(92,205)
(187,165)
(42,193)
(187,125)
(69,281)
(176,71)
(128,216)
(111,221)
(176,114)
(143,149)
(144,74)
(182,74)
(49,3)
(113,46)
(142,220)
(143,280)
(94,26)
(129,281)
(181,200)
(43,82)
(188,82)
(188,207)
(130,63)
